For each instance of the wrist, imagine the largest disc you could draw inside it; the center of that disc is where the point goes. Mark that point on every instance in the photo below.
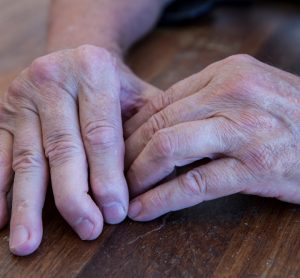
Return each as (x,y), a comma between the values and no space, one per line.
(55,43)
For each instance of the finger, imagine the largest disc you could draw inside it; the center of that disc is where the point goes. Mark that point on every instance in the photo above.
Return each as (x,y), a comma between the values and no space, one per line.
(135,93)
(68,166)
(6,142)
(30,185)
(177,146)
(178,91)
(195,107)
(216,179)
(101,127)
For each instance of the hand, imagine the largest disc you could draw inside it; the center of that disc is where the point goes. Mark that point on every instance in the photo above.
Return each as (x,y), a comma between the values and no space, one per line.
(239,112)
(63,115)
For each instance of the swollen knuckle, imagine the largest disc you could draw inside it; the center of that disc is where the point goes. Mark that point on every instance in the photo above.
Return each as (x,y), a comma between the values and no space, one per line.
(238,59)
(26,160)
(101,134)
(194,183)
(60,148)
(19,88)
(94,60)
(89,52)
(163,144)
(46,69)
(239,73)
(236,88)
(16,88)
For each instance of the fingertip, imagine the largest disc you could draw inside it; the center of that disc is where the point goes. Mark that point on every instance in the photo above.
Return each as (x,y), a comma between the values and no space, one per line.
(114,213)
(112,197)
(135,208)
(24,242)
(87,229)
(138,212)
(89,223)
(148,206)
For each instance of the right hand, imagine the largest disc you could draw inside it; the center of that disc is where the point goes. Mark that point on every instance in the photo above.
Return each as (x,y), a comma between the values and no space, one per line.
(63,116)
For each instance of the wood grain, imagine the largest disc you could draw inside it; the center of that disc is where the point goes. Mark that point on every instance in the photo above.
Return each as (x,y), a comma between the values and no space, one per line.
(236,236)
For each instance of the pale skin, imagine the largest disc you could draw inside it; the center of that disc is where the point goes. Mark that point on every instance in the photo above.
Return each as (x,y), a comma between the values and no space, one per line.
(64,113)
(61,119)
(239,112)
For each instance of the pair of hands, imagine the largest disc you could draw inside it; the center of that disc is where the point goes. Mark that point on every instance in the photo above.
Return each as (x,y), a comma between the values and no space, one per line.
(63,116)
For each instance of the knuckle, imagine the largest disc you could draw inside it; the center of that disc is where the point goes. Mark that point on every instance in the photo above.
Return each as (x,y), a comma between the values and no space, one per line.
(94,60)
(18,88)
(54,75)
(46,69)
(159,199)
(60,148)
(98,69)
(239,73)
(160,101)
(99,134)
(21,205)
(157,122)
(26,160)
(194,183)
(154,124)
(228,136)
(238,59)
(90,52)
(163,144)
(236,87)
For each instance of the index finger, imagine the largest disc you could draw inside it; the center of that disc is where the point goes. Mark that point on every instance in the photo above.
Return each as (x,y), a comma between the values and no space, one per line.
(216,179)
(182,89)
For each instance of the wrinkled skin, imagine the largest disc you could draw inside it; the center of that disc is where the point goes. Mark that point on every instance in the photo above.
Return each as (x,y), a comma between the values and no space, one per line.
(62,119)
(241,113)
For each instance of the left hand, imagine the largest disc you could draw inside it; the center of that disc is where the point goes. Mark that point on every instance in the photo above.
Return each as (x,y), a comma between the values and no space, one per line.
(241,113)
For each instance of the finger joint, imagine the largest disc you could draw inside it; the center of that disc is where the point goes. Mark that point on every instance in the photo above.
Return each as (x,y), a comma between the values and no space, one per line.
(61,148)
(101,135)
(26,160)
(194,183)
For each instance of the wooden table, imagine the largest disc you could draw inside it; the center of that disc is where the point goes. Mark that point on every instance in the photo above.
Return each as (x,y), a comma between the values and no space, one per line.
(236,236)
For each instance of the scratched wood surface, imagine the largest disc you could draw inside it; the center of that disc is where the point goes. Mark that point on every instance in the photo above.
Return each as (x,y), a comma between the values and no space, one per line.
(236,236)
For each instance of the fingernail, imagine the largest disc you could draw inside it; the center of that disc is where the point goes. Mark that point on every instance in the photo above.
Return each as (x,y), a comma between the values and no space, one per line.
(134,209)
(114,212)
(19,236)
(85,228)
